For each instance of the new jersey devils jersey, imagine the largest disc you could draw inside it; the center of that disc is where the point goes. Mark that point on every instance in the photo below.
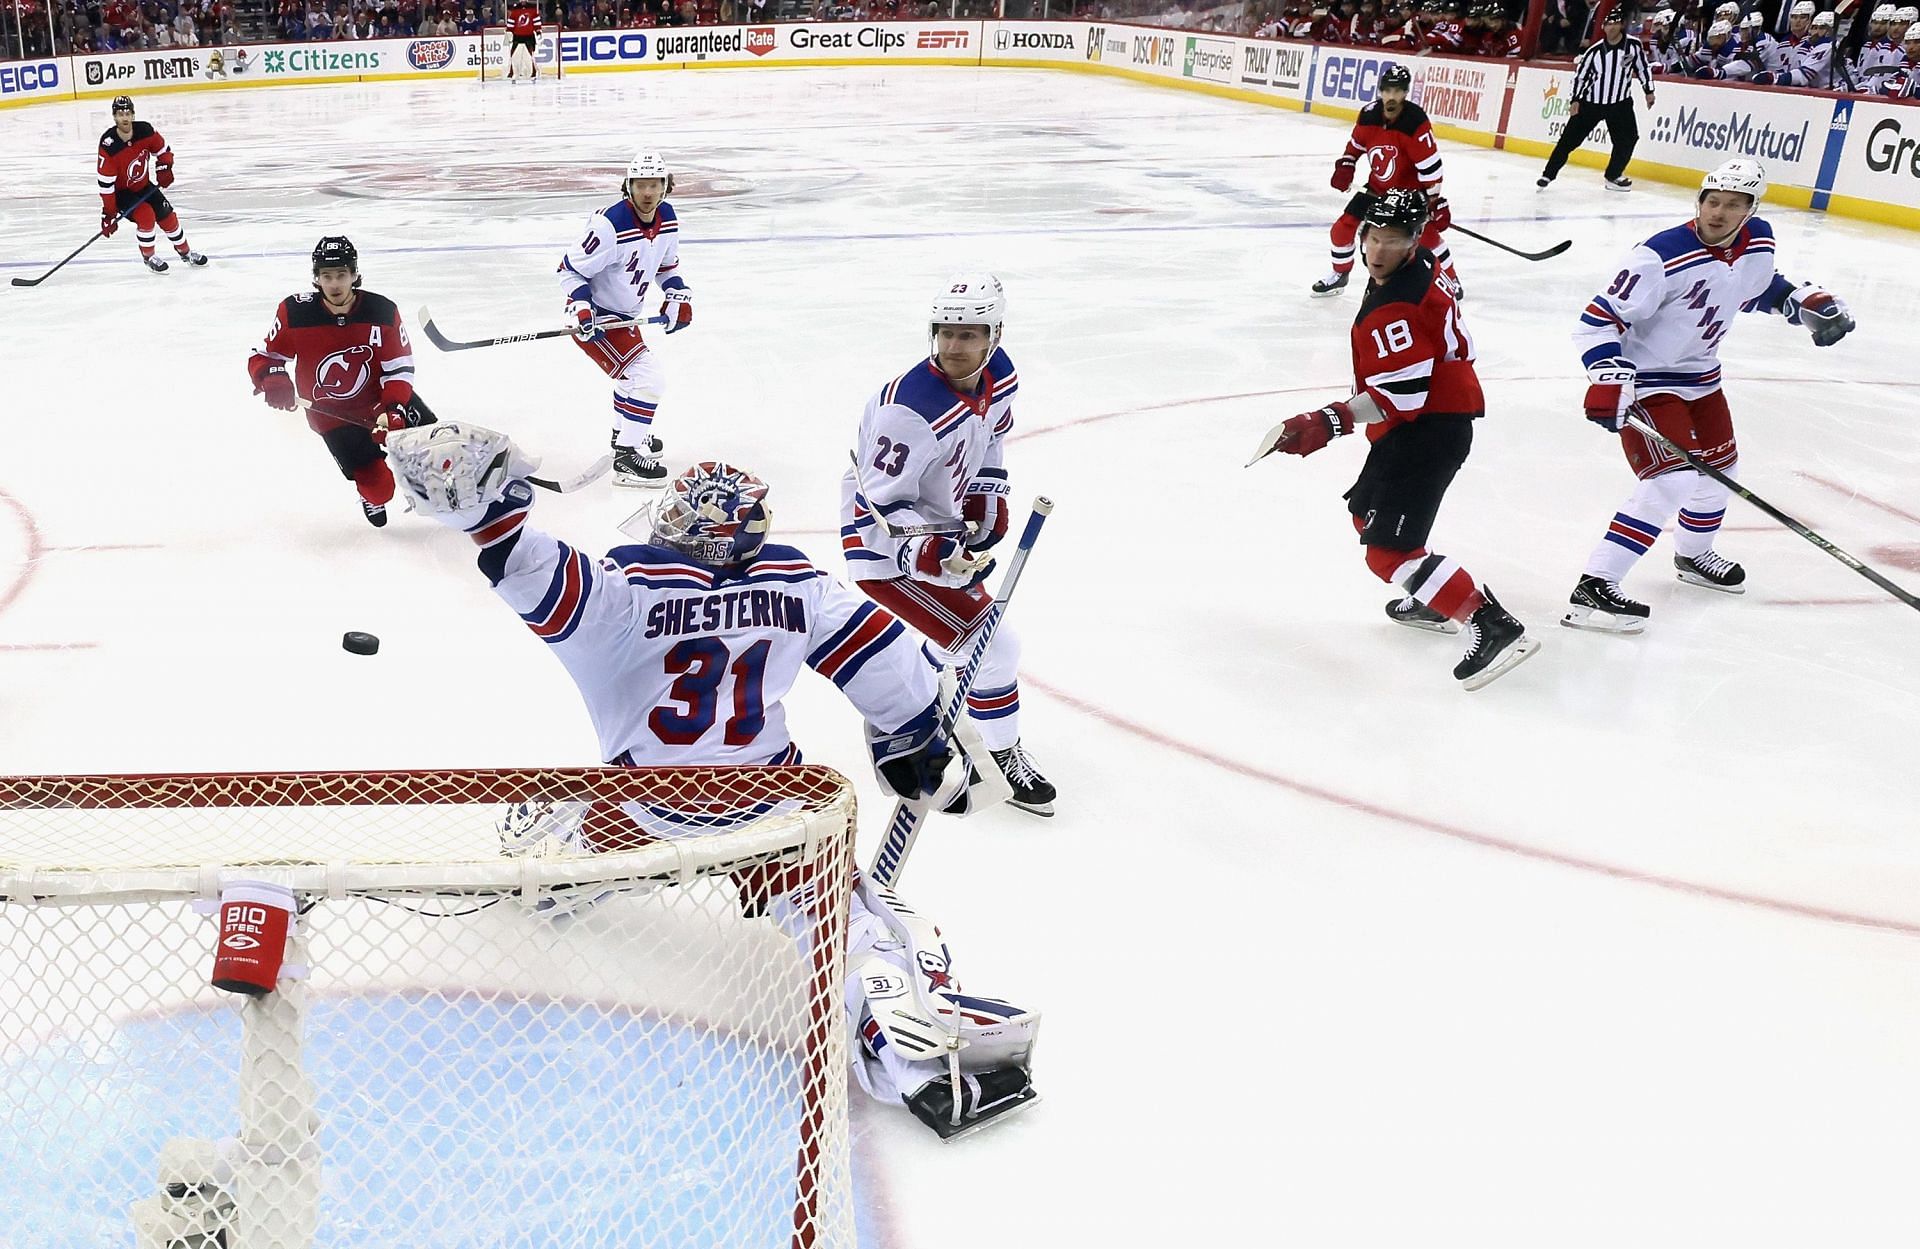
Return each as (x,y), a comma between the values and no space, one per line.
(920,443)
(129,164)
(1397,154)
(1411,352)
(620,258)
(347,365)
(524,19)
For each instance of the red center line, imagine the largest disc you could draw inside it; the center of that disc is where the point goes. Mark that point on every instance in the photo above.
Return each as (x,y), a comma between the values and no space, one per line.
(1456,833)
(1851,493)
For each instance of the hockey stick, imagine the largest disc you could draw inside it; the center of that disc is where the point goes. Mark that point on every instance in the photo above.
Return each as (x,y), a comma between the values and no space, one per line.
(97,236)
(1548,254)
(444,343)
(1655,435)
(904,828)
(944,527)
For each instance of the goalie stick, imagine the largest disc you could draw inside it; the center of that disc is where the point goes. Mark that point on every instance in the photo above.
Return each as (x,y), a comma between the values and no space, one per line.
(1548,254)
(904,828)
(444,343)
(97,236)
(1654,435)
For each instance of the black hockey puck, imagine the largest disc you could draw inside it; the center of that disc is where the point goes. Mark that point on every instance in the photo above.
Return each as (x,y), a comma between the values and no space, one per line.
(361,643)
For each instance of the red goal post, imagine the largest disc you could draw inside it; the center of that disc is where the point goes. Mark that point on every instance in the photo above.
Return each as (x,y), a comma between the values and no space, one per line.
(497,41)
(618,1023)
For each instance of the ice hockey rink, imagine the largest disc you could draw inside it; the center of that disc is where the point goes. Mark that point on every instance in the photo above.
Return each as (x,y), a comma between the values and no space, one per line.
(1623,949)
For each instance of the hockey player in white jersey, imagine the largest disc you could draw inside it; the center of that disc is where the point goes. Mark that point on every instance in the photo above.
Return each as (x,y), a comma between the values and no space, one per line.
(926,500)
(683,647)
(628,257)
(1880,54)
(1651,346)
(1809,47)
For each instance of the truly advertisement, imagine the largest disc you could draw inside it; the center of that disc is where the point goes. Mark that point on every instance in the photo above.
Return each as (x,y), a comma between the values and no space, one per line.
(1282,67)
(1210,60)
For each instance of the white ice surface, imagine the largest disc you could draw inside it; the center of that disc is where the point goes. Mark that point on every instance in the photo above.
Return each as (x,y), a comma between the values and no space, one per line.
(1622,949)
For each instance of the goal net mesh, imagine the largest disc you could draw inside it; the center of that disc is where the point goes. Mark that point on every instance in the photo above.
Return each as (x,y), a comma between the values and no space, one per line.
(580,1007)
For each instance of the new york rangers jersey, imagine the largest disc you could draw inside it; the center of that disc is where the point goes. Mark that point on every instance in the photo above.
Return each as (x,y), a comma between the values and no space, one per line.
(620,258)
(920,443)
(1669,308)
(681,663)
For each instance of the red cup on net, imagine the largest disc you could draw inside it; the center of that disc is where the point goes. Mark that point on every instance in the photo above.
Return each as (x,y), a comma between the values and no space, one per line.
(255,917)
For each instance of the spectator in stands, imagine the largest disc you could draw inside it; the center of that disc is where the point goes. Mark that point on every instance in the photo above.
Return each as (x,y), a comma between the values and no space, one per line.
(184,34)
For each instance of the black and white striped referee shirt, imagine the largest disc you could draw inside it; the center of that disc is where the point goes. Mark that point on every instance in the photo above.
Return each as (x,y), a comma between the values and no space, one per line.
(1605,72)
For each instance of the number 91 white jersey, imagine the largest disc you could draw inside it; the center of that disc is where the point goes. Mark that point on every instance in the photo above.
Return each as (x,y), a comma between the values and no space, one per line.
(618,260)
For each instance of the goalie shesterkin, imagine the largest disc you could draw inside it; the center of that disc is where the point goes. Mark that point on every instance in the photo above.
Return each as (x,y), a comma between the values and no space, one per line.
(683,647)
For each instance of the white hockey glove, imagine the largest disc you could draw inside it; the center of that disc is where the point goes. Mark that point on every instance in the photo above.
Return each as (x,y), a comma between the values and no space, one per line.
(941,560)
(1610,393)
(452,471)
(583,315)
(1820,312)
(677,306)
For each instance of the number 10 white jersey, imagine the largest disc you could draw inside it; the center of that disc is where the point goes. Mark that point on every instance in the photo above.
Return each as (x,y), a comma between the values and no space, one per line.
(619,259)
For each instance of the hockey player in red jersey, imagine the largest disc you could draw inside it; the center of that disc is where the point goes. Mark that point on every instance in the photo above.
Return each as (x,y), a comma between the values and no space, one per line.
(352,370)
(1392,136)
(523,24)
(1416,392)
(135,168)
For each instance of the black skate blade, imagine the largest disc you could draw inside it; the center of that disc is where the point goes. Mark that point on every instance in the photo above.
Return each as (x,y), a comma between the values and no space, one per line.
(1510,658)
(1708,584)
(1001,1110)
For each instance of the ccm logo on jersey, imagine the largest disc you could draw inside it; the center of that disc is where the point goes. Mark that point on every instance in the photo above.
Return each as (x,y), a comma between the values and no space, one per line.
(343,374)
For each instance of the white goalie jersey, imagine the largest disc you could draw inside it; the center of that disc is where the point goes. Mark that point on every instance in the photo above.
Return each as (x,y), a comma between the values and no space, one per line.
(920,443)
(681,663)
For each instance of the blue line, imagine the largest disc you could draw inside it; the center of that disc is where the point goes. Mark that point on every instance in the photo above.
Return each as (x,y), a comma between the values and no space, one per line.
(904,236)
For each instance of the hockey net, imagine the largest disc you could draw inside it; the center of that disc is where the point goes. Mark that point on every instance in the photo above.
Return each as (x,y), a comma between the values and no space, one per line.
(497,41)
(621,1029)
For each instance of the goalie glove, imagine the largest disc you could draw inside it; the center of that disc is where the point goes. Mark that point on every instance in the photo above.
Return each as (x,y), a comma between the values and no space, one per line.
(942,560)
(1820,312)
(1610,393)
(985,508)
(912,759)
(677,307)
(454,473)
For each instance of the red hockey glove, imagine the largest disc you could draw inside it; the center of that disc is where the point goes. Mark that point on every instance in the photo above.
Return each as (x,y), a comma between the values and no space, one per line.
(163,176)
(278,389)
(109,222)
(941,560)
(1439,212)
(985,508)
(392,416)
(1343,173)
(1308,432)
(1609,394)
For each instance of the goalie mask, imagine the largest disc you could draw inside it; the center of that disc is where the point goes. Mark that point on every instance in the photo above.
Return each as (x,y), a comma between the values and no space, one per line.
(714,514)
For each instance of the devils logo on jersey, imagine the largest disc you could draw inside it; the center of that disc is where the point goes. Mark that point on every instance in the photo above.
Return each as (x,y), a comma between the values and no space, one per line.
(1383,161)
(343,374)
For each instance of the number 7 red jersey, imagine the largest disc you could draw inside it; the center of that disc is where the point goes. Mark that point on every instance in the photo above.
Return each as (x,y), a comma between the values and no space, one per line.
(1397,154)
(524,20)
(1411,352)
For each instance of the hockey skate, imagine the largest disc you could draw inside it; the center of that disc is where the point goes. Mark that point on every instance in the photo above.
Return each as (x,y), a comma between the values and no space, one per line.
(1598,605)
(1332,284)
(194,258)
(639,466)
(156,264)
(984,1097)
(1414,614)
(376,513)
(1621,183)
(1712,570)
(1496,643)
(1031,791)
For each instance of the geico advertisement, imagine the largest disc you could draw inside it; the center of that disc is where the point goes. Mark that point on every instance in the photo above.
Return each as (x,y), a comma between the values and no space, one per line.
(738,44)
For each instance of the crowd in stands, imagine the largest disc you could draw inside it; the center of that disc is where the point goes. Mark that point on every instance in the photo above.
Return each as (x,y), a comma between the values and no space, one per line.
(1777,42)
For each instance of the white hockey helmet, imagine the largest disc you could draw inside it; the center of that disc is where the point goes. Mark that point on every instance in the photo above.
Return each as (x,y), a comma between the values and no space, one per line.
(1906,15)
(1753,20)
(1661,18)
(1801,8)
(1719,30)
(1741,175)
(1823,21)
(647,165)
(969,299)
(1729,11)
(1884,13)
(1913,33)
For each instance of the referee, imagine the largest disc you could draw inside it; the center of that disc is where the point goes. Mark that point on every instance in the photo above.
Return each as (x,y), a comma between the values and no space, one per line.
(1603,79)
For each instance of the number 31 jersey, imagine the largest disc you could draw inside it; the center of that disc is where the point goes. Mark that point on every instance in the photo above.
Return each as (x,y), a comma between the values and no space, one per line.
(920,443)
(619,258)
(683,664)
